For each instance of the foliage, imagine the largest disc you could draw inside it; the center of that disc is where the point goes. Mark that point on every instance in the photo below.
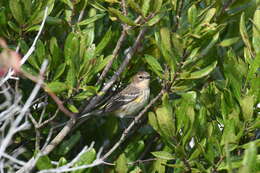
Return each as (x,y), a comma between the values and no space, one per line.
(207,51)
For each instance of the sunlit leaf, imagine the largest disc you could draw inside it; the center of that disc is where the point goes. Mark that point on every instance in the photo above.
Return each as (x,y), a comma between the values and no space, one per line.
(163,155)
(44,162)
(200,73)
(154,64)
(57,87)
(85,158)
(16,10)
(91,19)
(121,164)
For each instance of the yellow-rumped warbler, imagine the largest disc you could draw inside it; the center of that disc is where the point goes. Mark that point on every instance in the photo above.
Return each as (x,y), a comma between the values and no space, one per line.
(130,100)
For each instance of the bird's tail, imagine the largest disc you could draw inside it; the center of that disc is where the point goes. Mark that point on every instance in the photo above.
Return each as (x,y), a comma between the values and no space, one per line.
(93,113)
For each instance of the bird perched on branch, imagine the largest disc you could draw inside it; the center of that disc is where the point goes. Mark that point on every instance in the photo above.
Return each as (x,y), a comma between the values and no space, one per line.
(130,100)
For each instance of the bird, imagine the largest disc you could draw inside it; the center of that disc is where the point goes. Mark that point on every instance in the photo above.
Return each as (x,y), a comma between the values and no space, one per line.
(128,101)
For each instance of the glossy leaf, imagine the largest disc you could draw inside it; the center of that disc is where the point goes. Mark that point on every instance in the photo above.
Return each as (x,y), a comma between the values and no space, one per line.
(135,6)
(91,19)
(192,15)
(104,42)
(250,159)
(256,31)
(201,73)
(154,64)
(163,155)
(57,87)
(86,158)
(121,164)
(228,42)
(247,105)
(244,34)
(17,12)
(44,162)
(146,7)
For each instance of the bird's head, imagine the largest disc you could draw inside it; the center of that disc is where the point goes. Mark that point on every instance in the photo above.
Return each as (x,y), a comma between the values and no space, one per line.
(141,79)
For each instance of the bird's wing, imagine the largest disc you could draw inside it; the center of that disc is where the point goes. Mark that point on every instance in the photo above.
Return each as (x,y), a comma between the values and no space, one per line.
(124,97)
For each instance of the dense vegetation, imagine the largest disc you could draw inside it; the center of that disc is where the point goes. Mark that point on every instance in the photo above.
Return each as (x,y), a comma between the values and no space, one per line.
(203,57)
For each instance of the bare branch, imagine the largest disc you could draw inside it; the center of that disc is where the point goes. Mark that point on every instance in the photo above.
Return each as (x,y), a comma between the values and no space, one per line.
(15,125)
(118,46)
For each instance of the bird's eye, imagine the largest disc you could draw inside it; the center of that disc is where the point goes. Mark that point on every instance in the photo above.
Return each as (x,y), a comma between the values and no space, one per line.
(140,77)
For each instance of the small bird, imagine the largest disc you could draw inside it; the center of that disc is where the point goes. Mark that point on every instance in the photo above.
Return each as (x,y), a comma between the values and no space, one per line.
(130,100)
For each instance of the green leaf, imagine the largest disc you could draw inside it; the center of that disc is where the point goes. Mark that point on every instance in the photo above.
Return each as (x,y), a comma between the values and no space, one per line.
(88,91)
(121,164)
(256,31)
(209,15)
(40,51)
(33,28)
(155,19)
(44,163)
(157,5)
(121,17)
(135,6)
(68,2)
(166,123)
(60,70)
(164,155)
(247,105)
(201,73)
(16,10)
(72,108)
(14,26)
(104,42)
(192,15)
(210,45)
(55,52)
(166,48)
(91,19)
(103,63)
(146,7)
(229,41)
(244,34)
(86,158)
(3,20)
(62,161)
(254,65)
(154,64)
(250,160)
(153,121)
(71,47)
(57,87)
(27,4)
(134,149)
(71,79)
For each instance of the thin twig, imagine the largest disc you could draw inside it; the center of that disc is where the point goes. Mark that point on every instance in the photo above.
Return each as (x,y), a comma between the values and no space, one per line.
(49,120)
(142,161)
(118,46)
(127,130)
(18,119)
(115,53)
